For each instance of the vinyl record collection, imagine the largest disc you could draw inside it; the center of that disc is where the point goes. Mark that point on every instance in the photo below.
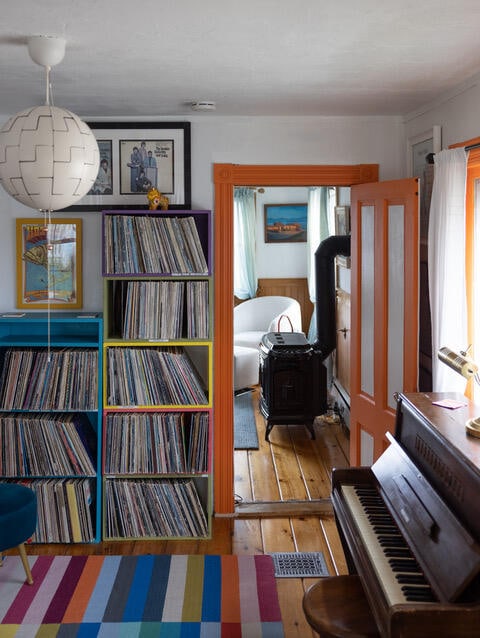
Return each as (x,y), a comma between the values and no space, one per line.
(156,442)
(175,309)
(152,376)
(50,418)
(56,446)
(64,510)
(152,244)
(65,380)
(148,508)
(46,445)
(157,427)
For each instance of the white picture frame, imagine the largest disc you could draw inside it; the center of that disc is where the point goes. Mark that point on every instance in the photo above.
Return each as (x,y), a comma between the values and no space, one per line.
(421,145)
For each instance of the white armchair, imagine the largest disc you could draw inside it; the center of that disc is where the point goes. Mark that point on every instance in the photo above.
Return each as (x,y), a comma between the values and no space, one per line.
(255,317)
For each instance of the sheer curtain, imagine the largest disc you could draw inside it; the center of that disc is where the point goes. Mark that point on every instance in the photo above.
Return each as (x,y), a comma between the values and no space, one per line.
(244,265)
(317,230)
(446,264)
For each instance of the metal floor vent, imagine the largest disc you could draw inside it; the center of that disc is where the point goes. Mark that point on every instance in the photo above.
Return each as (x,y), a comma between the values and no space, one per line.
(299,564)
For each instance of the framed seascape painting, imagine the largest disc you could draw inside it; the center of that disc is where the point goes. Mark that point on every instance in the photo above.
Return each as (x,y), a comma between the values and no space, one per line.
(285,223)
(136,157)
(49,263)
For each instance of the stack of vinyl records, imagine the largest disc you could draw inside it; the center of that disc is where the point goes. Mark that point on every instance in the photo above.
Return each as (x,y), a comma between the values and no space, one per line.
(153,244)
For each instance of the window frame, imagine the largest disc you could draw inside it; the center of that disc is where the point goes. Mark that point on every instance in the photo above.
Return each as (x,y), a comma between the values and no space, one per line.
(473,174)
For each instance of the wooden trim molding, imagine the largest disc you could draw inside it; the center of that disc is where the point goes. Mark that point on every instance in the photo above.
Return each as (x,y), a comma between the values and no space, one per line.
(226,177)
(473,142)
(296,175)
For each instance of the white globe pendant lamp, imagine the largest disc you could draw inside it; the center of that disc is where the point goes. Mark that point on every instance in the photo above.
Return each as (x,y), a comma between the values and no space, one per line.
(49,157)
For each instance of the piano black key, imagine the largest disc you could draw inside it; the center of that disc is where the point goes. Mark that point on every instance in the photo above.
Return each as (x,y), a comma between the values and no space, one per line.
(418,594)
(385,529)
(398,552)
(392,542)
(405,566)
(411,579)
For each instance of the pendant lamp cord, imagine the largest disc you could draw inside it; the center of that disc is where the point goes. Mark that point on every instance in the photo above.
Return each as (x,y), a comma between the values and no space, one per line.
(47,220)
(48,86)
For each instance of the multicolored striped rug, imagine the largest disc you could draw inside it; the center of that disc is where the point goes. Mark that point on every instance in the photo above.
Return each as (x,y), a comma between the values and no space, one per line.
(174,596)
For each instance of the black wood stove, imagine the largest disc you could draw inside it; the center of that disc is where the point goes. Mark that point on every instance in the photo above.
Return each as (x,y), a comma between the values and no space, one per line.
(293,381)
(293,377)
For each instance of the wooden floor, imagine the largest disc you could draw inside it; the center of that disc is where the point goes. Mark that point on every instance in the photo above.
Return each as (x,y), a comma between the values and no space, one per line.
(282,491)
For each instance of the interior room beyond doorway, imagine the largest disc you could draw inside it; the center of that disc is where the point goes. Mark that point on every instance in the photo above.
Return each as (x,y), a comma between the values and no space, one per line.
(290,466)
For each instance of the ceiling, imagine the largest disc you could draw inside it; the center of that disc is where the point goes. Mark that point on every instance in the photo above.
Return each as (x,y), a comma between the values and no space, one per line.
(252,57)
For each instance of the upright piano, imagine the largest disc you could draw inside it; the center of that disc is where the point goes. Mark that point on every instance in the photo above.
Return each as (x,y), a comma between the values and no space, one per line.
(410,524)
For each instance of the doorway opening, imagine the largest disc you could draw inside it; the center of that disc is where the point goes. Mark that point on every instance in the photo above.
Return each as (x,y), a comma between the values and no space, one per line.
(226,177)
(276,233)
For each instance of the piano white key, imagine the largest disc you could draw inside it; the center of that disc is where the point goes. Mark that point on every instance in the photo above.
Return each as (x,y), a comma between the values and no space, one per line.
(385,574)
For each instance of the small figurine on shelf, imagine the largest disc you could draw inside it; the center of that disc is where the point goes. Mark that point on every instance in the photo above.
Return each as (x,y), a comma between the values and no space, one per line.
(156,199)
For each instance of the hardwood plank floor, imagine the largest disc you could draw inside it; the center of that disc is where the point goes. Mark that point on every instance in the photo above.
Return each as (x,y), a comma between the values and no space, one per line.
(283,491)
(292,473)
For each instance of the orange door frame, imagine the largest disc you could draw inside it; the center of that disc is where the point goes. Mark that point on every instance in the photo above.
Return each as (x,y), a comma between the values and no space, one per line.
(226,177)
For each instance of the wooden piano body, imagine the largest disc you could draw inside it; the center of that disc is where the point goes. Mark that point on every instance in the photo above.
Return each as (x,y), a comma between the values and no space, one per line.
(410,524)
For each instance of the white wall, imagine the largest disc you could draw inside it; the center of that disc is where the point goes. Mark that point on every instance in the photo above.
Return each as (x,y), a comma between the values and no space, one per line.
(242,140)
(458,114)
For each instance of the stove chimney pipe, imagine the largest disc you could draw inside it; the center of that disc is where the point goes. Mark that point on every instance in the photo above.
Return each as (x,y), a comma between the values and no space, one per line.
(325,291)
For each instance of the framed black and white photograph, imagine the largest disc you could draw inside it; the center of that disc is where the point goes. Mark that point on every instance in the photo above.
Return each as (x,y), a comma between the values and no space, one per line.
(136,157)
(103,183)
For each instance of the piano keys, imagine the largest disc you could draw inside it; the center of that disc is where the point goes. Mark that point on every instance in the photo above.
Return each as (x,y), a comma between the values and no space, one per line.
(399,573)
(410,524)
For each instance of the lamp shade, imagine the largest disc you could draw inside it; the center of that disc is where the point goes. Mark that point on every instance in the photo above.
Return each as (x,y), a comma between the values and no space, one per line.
(49,158)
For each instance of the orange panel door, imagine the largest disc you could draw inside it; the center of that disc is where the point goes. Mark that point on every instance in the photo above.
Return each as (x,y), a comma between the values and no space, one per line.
(384,329)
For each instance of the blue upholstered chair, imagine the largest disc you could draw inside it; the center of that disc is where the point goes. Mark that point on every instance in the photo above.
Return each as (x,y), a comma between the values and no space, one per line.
(18,520)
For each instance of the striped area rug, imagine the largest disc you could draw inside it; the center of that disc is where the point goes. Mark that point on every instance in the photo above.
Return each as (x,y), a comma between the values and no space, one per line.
(169,596)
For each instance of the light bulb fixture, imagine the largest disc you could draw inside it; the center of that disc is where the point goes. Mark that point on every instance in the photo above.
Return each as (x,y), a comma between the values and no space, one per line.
(465,366)
(49,157)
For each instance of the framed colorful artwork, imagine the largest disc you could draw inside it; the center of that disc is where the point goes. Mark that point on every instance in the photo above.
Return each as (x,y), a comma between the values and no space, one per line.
(49,263)
(136,157)
(285,223)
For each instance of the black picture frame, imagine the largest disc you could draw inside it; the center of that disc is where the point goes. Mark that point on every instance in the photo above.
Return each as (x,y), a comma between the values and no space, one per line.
(169,144)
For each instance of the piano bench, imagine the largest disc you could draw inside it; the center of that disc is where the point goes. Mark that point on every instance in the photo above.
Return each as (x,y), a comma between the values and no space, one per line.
(336,607)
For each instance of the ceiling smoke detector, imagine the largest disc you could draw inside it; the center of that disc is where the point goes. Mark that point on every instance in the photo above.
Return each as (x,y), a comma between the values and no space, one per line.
(203,105)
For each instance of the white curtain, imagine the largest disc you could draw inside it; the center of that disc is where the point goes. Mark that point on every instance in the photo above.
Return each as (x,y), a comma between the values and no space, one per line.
(446,265)
(244,266)
(317,231)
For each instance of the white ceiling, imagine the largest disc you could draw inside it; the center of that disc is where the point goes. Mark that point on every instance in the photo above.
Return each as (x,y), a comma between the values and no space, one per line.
(252,57)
